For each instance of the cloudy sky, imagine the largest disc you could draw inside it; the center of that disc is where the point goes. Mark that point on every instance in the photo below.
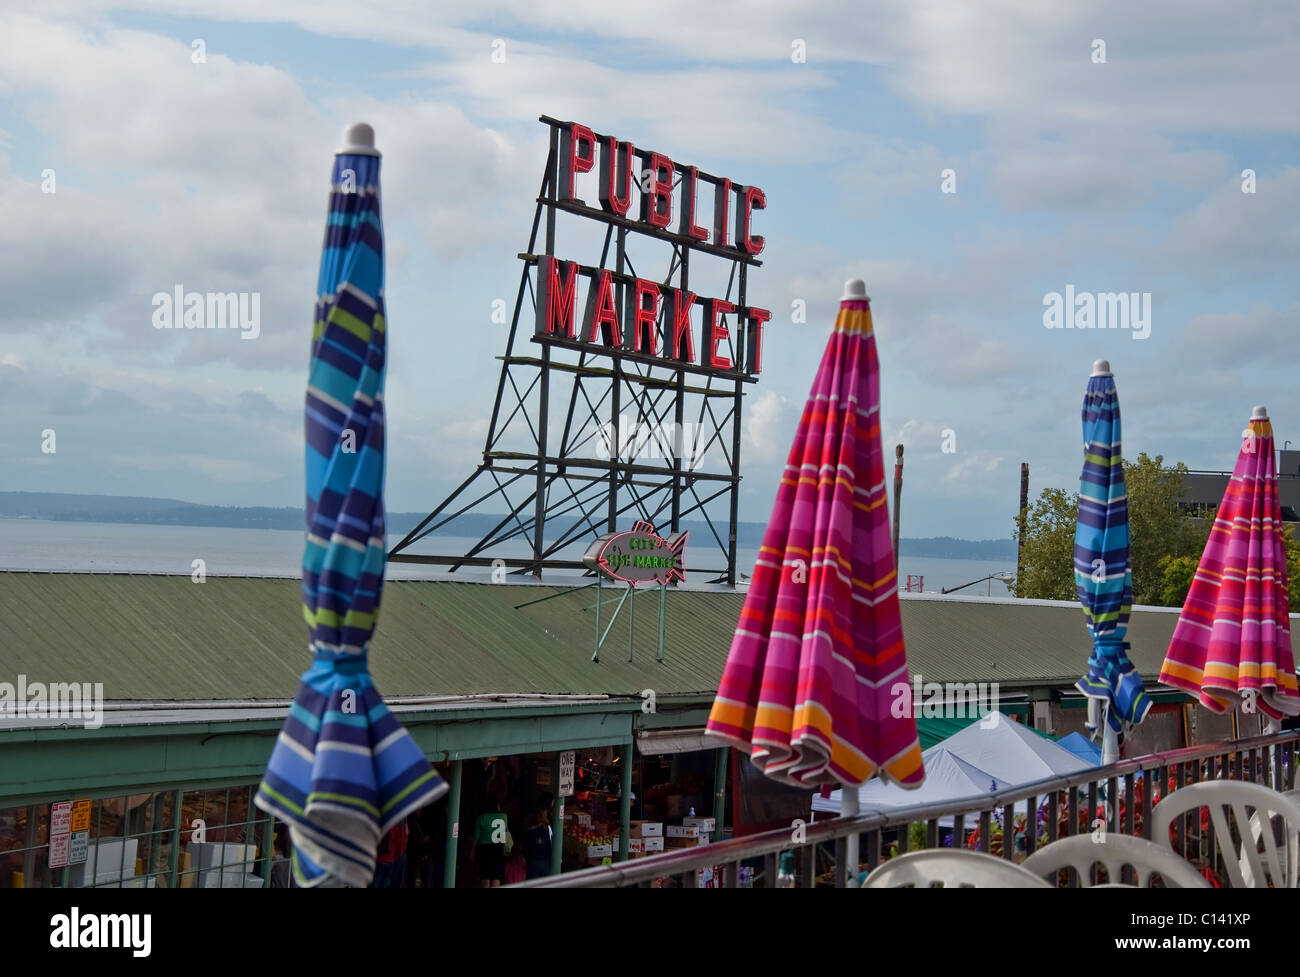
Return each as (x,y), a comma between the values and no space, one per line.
(1098,145)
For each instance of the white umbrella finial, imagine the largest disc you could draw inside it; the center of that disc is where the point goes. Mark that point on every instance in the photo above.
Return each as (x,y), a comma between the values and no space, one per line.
(855,290)
(1101,368)
(1259,413)
(359,140)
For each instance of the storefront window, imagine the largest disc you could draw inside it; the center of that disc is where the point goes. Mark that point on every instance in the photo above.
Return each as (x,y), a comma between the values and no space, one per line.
(137,841)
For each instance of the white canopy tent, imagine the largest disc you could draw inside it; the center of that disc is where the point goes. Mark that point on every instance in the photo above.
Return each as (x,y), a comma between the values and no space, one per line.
(1012,752)
(947,778)
(990,754)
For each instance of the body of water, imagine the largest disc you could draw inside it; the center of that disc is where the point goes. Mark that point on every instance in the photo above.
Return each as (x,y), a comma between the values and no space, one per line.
(37,544)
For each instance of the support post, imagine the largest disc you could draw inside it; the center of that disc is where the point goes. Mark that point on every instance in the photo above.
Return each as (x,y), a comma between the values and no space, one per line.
(663,619)
(625,804)
(268,850)
(557,821)
(174,854)
(720,791)
(29,856)
(849,809)
(596,655)
(453,828)
(631,621)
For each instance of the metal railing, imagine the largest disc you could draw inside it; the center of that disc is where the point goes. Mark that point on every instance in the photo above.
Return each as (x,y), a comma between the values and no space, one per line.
(1118,793)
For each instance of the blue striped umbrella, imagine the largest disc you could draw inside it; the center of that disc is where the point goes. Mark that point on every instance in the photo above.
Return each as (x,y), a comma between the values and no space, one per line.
(1102,574)
(343,770)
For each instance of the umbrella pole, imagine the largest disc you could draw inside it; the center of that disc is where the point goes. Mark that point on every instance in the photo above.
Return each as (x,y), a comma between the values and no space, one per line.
(848,809)
(1109,746)
(1273,726)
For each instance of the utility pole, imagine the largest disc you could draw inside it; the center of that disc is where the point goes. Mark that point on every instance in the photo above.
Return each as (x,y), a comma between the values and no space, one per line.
(898,492)
(1022,519)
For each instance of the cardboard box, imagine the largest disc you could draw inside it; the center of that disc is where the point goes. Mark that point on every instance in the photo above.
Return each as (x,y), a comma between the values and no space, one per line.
(237,879)
(208,854)
(652,845)
(691,831)
(686,841)
(706,825)
(597,852)
(635,846)
(106,862)
(646,829)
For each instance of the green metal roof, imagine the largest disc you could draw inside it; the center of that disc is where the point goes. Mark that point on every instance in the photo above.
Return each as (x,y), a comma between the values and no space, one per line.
(1018,642)
(150,637)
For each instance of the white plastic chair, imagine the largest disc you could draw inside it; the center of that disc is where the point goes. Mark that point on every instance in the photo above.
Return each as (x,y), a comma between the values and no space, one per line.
(1113,852)
(953,869)
(1247,867)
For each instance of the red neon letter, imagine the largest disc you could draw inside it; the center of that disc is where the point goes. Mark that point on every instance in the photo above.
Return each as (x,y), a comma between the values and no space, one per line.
(572,158)
(754,340)
(751,199)
(556,302)
(616,171)
(716,331)
(689,195)
(602,315)
(721,208)
(657,201)
(640,318)
(679,329)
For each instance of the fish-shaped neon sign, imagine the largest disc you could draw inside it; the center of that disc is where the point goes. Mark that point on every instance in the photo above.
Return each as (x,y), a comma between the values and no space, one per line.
(638,555)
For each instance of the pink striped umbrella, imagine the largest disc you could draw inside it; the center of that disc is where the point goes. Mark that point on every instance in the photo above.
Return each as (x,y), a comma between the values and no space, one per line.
(1232,644)
(817,670)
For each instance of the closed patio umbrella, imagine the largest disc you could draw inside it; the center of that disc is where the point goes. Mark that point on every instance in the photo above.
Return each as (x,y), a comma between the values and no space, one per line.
(1102,574)
(811,682)
(1232,644)
(343,770)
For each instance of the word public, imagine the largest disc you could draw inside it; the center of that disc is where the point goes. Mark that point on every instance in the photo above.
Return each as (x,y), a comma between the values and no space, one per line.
(637,315)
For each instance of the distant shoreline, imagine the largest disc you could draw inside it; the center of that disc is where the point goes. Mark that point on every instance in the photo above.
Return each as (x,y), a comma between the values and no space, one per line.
(61,507)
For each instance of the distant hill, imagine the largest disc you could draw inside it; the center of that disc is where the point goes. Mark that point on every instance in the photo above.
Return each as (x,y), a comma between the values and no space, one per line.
(66,507)
(952,548)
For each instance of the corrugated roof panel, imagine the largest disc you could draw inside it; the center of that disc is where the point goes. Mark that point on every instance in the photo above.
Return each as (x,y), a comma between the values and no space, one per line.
(166,638)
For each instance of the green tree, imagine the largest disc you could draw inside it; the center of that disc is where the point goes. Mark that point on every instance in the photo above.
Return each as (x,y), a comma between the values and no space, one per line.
(1176,573)
(1047,568)
(1292,567)
(1157,526)
(1162,539)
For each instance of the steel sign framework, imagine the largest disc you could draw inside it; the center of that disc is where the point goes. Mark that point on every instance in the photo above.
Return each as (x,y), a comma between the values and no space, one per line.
(558,478)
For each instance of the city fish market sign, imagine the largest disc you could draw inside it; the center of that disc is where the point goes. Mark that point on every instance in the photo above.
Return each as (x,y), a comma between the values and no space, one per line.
(638,555)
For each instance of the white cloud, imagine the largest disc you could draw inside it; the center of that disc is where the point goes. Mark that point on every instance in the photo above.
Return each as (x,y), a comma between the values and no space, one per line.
(466,429)
(768,428)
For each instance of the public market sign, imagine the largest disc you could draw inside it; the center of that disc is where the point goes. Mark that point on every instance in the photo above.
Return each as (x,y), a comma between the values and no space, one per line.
(636,316)
(638,555)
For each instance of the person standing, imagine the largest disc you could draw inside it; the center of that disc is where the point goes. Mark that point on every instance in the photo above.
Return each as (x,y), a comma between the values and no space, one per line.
(390,862)
(539,837)
(491,845)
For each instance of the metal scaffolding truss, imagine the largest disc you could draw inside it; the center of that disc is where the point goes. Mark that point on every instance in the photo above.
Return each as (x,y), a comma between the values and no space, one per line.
(558,479)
